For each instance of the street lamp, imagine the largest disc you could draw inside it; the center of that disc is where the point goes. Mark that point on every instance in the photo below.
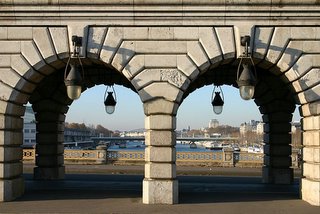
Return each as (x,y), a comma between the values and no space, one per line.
(216,100)
(73,78)
(110,101)
(247,78)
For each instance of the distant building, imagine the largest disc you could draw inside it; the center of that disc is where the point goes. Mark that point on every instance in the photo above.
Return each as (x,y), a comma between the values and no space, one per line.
(253,126)
(134,133)
(29,128)
(214,123)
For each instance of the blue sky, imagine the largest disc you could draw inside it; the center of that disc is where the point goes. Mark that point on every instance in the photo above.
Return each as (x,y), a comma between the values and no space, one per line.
(195,111)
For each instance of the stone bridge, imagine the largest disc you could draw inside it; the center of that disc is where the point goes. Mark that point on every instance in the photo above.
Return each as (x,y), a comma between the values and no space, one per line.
(163,50)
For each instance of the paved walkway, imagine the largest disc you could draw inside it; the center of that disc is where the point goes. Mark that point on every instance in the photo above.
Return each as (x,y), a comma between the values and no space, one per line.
(105,193)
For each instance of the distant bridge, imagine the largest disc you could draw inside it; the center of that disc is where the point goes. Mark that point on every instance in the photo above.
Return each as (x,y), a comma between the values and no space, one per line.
(192,139)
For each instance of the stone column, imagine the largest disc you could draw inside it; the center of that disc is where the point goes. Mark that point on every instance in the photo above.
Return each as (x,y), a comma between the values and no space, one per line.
(310,184)
(277,160)
(49,148)
(11,181)
(160,185)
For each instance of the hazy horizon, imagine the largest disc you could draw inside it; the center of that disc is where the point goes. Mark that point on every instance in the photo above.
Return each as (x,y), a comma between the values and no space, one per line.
(195,111)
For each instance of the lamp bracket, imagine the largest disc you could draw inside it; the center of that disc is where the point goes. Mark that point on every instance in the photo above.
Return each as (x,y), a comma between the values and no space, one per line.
(245,42)
(77,44)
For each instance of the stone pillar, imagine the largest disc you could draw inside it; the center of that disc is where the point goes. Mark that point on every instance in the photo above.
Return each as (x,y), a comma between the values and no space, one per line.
(277,160)
(310,184)
(160,185)
(11,181)
(49,148)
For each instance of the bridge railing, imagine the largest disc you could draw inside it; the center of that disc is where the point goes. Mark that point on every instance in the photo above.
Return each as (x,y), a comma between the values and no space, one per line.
(217,158)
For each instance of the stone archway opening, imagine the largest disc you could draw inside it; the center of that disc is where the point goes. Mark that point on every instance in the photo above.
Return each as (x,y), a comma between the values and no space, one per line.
(51,104)
(275,100)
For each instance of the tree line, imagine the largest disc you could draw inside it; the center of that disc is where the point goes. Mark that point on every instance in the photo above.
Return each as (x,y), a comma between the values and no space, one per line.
(94,130)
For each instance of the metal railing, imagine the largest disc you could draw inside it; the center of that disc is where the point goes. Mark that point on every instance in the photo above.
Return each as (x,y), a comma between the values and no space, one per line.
(101,156)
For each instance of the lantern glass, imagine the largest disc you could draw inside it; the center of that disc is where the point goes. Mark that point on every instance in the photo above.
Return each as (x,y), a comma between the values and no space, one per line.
(74,91)
(246,92)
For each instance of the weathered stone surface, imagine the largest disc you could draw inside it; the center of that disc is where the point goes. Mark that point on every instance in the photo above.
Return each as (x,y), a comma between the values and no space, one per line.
(48,161)
(262,40)
(160,138)
(277,138)
(226,39)
(310,191)
(155,90)
(11,189)
(160,106)
(277,175)
(277,161)
(50,173)
(310,109)
(42,39)
(59,37)
(9,122)
(111,44)
(8,154)
(160,154)
(8,138)
(311,123)
(96,38)
(311,170)
(160,122)
(312,154)
(160,170)
(311,138)
(10,170)
(198,55)
(160,191)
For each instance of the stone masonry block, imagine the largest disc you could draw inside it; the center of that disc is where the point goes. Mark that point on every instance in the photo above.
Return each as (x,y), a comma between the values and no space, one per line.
(161,47)
(50,149)
(50,117)
(160,191)
(12,109)
(3,33)
(5,60)
(30,52)
(10,47)
(49,138)
(136,33)
(226,38)
(311,170)
(311,123)
(277,138)
(311,138)
(277,162)
(20,33)
(50,173)
(171,75)
(135,66)
(47,127)
(277,127)
(49,161)
(198,55)
(186,33)
(10,189)
(160,170)
(160,154)
(111,44)
(9,122)
(95,40)
(8,154)
(8,138)
(9,170)
(160,61)
(155,90)
(261,41)
(210,43)
(160,122)
(160,106)
(311,154)
(59,37)
(310,109)
(160,138)
(161,33)
(124,54)
(277,117)
(310,190)
(41,37)
(186,65)
(277,150)
(277,175)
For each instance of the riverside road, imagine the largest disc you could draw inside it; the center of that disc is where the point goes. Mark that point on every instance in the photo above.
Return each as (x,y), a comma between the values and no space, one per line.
(116,193)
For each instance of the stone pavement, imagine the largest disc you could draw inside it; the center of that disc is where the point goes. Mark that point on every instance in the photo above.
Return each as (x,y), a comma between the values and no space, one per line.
(106,193)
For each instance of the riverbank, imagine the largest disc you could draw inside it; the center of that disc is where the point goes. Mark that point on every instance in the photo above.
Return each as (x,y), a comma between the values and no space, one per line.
(139,170)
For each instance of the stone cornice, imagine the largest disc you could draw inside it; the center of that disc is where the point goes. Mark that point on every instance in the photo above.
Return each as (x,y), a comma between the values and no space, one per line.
(160,12)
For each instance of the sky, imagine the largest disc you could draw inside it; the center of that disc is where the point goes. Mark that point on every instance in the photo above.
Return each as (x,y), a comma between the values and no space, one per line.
(195,111)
